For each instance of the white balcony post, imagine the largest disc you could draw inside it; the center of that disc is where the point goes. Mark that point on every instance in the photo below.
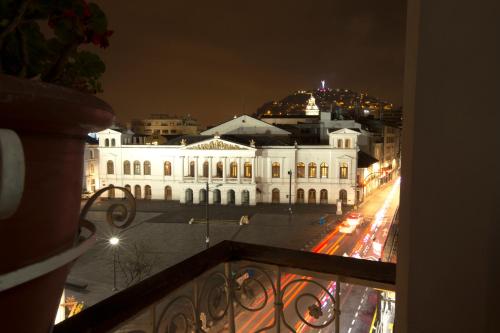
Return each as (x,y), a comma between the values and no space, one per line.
(182,168)
(210,169)
(239,170)
(253,170)
(196,169)
(224,160)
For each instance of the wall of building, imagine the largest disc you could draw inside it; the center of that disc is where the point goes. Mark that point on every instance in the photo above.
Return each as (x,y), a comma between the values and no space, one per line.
(448,249)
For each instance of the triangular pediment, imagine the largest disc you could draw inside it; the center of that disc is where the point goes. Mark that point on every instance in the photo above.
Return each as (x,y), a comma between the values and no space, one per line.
(216,144)
(108,131)
(345,131)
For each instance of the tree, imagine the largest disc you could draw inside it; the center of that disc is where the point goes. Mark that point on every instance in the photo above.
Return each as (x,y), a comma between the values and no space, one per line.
(136,265)
(26,51)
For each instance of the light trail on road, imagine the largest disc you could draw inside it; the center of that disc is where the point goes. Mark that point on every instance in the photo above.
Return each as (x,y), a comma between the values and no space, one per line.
(362,247)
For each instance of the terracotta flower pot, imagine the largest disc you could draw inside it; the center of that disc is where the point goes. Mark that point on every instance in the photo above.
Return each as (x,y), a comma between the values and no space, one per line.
(52,123)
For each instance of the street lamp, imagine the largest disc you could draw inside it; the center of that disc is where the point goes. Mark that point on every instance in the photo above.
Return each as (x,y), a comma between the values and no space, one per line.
(207,239)
(114,241)
(290,192)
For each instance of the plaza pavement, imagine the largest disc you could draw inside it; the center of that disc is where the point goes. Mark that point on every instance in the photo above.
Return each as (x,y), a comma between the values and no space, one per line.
(164,236)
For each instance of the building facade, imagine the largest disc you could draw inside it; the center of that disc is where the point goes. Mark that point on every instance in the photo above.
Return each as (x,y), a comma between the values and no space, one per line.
(164,124)
(237,170)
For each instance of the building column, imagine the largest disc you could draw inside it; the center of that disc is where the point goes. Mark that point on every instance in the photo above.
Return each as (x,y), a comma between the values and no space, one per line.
(196,169)
(283,170)
(239,170)
(182,168)
(253,170)
(210,169)
(224,160)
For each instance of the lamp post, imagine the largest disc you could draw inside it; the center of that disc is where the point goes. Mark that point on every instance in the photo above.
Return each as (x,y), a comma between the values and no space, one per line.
(207,239)
(290,192)
(114,241)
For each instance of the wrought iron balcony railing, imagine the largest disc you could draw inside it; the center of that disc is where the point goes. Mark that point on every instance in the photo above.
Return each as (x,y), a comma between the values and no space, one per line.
(239,287)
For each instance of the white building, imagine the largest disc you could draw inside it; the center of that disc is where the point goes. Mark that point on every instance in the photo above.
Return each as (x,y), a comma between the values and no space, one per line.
(240,169)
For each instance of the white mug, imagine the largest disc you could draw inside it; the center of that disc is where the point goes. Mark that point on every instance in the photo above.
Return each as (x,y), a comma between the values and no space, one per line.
(12,170)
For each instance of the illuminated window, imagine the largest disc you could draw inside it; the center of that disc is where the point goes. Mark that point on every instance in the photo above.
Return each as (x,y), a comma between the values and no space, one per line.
(300,196)
(126,168)
(205,169)
(248,170)
(339,143)
(137,168)
(312,170)
(167,168)
(191,169)
(312,196)
(147,192)
(147,168)
(91,168)
(137,191)
(275,196)
(324,170)
(344,171)
(301,170)
(233,170)
(110,168)
(276,170)
(323,196)
(347,143)
(218,170)
(111,192)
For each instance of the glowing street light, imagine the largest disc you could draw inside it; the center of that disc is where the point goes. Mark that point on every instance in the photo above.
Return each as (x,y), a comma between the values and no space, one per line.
(114,241)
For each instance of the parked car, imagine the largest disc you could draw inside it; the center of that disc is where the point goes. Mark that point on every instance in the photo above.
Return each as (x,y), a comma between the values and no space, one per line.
(86,195)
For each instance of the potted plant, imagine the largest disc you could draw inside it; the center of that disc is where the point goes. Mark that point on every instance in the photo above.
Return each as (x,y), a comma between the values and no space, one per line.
(47,108)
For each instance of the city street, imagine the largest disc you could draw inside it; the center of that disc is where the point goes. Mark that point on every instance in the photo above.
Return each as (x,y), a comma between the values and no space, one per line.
(358,303)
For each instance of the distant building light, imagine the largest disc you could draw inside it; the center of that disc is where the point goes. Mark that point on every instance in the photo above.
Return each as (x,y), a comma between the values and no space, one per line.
(366,111)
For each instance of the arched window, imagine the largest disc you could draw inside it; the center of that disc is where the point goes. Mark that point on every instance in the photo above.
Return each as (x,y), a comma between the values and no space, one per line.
(216,196)
(233,170)
(339,143)
(312,170)
(300,196)
(275,196)
(347,143)
(147,192)
(191,169)
(113,142)
(248,170)
(245,197)
(110,168)
(167,168)
(343,196)
(205,169)
(219,170)
(323,170)
(111,192)
(137,168)
(276,170)
(323,196)
(311,198)
(189,195)
(147,168)
(230,197)
(128,188)
(168,193)
(106,142)
(137,191)
(91,152)
(203,196)
(126,168)
(301,170)
(344,174)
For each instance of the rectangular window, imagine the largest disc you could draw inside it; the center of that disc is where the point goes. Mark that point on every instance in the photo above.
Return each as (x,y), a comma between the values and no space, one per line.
(344,172)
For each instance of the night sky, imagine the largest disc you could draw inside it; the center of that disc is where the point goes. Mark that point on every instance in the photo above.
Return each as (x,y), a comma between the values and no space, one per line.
(215,59)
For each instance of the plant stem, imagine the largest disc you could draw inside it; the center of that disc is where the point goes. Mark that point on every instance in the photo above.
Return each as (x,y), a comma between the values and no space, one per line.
(57,68)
